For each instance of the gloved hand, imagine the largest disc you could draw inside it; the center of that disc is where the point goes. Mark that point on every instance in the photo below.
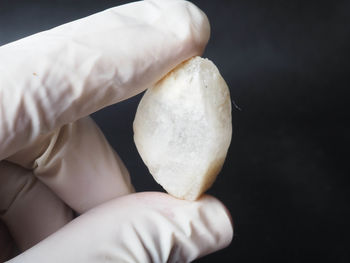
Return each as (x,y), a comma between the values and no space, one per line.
(55,159)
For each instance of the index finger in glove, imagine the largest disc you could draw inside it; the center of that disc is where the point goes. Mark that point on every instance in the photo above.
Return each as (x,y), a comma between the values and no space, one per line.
(58,76)
(142,227)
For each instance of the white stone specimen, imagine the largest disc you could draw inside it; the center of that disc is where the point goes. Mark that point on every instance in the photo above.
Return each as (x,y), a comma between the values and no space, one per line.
(183,128)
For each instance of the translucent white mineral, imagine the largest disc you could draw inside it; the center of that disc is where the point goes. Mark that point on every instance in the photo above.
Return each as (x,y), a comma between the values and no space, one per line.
(182,128)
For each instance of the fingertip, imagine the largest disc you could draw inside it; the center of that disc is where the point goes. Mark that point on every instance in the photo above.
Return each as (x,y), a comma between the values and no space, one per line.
(188,23)
(200,27)
(210,216)
(221,219)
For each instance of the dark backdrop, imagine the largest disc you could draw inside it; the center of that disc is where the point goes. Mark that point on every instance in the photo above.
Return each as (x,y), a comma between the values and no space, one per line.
(285,180)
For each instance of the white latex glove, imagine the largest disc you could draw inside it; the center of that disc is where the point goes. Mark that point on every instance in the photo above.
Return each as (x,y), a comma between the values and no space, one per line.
(55,159)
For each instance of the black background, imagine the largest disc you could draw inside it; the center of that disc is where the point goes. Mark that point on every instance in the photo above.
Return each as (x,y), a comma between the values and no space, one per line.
(285,181)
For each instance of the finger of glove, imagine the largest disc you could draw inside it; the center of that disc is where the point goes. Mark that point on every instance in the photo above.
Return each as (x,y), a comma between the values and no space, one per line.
(29,209)
(58,76)
(77,163)
(142,227)
(7,246)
